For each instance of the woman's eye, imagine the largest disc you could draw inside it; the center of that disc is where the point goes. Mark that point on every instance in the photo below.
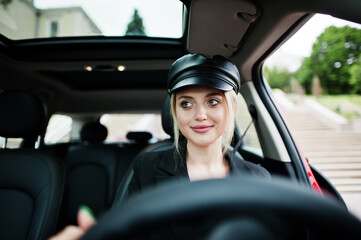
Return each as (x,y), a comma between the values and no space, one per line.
(213,102)
(186,104)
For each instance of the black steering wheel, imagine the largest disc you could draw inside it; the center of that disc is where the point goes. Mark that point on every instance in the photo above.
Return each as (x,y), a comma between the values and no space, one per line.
(231,208)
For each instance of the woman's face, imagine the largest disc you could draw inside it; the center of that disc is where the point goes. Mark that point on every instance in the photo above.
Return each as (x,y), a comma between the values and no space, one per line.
(201,114)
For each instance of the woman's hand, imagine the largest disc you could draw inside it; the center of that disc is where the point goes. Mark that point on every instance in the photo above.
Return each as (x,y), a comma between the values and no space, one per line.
(85,221)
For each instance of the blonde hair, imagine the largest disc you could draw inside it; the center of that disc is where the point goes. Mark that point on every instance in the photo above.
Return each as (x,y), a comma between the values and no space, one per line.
(232,102)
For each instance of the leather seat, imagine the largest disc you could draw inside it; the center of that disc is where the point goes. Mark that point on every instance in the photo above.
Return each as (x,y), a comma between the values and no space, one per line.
(31,181)
(94,170)
(91,168)
(167,125)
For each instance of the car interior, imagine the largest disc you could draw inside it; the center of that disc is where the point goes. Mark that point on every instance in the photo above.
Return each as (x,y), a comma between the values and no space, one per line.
(87,77)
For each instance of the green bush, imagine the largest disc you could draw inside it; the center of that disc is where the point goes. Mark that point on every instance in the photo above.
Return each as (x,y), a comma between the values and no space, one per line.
(278,78)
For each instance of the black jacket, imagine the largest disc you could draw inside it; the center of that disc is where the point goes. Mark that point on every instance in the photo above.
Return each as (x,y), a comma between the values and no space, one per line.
(151,168)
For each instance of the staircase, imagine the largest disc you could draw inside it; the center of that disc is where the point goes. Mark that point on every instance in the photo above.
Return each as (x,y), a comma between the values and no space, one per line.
(336,153)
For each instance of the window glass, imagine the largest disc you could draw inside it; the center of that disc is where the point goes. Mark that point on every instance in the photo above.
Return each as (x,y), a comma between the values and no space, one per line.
(59,129)
(11,142)
(119,125)
(30,19)
(53,29)
(316,81)
(246,128)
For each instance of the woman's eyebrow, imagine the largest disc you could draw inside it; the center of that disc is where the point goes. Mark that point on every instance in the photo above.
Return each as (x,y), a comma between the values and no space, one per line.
(184,96)
(208,95)
(214,94)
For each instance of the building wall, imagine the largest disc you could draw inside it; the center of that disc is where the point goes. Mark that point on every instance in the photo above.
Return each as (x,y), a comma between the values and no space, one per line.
(71,22)
(18,20)
(21,20)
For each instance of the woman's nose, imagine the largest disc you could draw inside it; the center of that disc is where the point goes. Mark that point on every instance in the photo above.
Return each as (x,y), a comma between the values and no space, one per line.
(201,114)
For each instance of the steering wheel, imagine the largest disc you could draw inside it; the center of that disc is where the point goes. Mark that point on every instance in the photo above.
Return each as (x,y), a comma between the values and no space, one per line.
(233,208)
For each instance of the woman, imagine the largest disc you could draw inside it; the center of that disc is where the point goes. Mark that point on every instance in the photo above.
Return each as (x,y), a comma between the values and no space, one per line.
(203,105)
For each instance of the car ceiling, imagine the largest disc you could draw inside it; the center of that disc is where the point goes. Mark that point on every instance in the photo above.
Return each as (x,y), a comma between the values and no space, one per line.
(244,31)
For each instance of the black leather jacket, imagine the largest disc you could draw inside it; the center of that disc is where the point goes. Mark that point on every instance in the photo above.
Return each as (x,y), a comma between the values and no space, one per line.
(152,168)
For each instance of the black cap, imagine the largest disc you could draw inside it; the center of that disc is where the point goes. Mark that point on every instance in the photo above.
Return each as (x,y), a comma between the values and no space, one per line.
(196,69)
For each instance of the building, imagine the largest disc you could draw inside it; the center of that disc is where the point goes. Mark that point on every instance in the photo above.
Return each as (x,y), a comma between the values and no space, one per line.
(44,23)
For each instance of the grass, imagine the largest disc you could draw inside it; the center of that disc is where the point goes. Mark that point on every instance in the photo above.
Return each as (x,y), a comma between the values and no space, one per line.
(348,106)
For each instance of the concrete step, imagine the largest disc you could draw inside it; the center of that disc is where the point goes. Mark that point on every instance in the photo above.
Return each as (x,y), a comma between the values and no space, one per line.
(349,189)
(342,174)
(338,166)
(347,181)
(336,153)
(328,159)
(321,148)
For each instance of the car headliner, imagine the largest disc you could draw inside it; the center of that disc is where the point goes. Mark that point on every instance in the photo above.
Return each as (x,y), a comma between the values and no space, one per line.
(54,68)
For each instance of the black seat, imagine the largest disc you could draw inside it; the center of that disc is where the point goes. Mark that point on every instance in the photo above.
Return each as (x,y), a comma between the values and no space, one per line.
(167,125)
(94,169)
(31,181)
(90,173)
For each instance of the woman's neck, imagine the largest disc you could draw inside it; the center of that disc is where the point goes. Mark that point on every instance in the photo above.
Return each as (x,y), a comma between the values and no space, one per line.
(206,162)
(204,155)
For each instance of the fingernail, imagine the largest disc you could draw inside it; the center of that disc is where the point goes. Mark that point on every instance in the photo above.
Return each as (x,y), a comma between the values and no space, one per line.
(87,209)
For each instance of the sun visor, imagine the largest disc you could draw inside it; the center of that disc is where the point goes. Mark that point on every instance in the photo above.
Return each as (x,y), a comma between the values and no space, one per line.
(218,26)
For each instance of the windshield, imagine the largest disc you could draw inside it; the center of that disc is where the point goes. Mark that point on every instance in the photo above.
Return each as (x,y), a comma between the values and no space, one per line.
(73,18)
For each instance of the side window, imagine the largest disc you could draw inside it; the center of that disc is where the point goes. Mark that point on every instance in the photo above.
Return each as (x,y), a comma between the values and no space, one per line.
(246,128)
(315,78)
(59,129)
(11,142)
(119,125)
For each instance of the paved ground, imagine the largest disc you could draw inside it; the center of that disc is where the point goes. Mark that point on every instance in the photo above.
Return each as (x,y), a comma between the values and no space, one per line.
(330,145)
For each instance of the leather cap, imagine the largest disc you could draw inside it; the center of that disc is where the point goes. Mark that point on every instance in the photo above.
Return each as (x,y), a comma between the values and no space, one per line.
(196,69)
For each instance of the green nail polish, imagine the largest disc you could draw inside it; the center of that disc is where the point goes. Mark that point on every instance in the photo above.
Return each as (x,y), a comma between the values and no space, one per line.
(87,209)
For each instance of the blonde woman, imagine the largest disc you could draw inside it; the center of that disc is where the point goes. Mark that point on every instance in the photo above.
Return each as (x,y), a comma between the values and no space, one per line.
(203,105)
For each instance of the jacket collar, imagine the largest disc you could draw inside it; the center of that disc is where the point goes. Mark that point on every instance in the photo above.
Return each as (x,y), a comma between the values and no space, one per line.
(237,163)
(174,163)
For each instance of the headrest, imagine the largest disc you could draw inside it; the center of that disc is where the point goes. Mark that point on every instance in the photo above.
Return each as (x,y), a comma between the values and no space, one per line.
(167,119)
(139,137)
(93,132)
(22,115)
(196,69)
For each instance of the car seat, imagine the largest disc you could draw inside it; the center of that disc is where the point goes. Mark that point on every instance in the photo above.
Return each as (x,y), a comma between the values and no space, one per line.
(167,125)
(31,181)
(91,168)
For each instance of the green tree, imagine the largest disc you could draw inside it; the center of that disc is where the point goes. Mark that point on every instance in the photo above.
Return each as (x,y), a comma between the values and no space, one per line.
(278,78)
(135,26)
(305,75)
(5,3)
(355,79)
(333,54)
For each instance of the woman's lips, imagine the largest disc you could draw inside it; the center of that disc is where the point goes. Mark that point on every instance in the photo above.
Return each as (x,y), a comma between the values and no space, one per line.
(202,128)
